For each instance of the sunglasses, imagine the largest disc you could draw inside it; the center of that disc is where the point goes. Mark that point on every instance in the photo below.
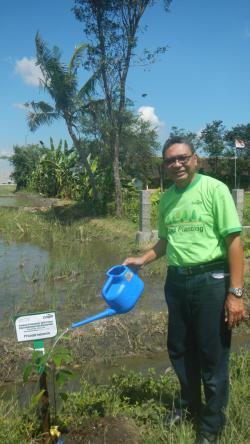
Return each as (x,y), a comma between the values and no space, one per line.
(171,161)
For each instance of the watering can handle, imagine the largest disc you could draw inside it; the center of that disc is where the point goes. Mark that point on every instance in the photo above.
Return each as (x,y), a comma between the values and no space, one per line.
(107,285)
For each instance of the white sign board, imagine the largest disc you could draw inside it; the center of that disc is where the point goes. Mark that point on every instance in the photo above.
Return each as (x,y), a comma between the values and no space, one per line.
(31,327)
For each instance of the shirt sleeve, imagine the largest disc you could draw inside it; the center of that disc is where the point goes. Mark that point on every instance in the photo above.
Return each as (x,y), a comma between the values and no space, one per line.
(225,212)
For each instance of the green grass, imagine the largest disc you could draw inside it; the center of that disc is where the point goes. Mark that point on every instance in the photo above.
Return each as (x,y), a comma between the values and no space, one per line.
(7,190)
(37,226)
(17,425)
(246,213)
(144,398)
(246,221)
(147,399)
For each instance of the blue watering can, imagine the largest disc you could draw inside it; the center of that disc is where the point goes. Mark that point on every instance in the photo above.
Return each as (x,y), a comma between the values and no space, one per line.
(121,292)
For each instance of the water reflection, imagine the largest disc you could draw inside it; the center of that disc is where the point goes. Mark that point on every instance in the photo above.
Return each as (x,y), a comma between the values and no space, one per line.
(18,265)
(8,201)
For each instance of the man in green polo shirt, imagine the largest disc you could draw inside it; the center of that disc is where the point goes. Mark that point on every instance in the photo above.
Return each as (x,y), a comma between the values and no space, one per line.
(199,231)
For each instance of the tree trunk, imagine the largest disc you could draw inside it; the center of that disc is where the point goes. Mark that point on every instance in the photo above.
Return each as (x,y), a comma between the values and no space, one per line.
(45,410)
(116,172)
(131,13)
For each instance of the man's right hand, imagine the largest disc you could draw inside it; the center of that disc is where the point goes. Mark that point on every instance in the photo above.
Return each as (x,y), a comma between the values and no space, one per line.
(158,250)
(137,261)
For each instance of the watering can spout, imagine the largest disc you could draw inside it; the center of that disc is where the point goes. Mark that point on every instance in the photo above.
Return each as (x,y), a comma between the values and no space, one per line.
(103,314)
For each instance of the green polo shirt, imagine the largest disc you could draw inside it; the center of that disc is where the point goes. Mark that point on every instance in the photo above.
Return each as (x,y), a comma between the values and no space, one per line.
(195,220)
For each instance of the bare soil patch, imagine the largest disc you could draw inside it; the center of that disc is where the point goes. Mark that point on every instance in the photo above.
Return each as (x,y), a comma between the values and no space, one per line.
(106,430)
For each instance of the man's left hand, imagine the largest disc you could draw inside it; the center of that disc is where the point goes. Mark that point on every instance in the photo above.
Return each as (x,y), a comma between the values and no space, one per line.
(234,311)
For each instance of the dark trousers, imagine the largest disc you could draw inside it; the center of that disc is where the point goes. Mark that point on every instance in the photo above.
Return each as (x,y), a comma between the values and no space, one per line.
(199,343)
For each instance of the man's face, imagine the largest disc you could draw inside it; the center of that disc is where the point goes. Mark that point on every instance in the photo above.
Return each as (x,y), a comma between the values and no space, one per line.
(180,164)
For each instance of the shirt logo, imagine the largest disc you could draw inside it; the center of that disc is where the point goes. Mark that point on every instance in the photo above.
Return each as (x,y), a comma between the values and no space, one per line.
(185,216)
(197,202)
(184,221)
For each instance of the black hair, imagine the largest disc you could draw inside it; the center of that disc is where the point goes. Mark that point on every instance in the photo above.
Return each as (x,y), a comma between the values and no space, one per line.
(177,139)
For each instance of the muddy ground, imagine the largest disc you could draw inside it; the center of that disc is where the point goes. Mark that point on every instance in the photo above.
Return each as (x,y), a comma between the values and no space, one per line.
(106,430)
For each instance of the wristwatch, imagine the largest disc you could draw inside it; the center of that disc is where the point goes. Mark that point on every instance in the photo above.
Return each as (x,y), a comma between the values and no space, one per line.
(238,292)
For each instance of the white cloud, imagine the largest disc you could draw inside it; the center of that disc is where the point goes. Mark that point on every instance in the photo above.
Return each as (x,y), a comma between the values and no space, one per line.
(4,152)
(20,106)
(29,71)
(199,132)
(147,113)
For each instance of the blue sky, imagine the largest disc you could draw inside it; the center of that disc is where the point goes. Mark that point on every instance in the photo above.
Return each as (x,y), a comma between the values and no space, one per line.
(205,74)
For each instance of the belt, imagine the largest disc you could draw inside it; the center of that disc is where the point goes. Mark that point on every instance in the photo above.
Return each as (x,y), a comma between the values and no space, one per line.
(199,268)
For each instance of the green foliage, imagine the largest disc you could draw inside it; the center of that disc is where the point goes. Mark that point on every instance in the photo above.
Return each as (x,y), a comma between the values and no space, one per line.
(53,362)
(139,146)
(246,211)
(137,388)
(57,358)
(61,83)
(24,160)
(58,174)
(155,200)
(130,199)
(223,168)
(61,356)
(246,221)
(212,137)
(35,399)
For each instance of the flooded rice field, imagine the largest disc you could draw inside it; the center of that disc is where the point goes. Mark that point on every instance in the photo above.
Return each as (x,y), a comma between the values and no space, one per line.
(66,280)
(69,282)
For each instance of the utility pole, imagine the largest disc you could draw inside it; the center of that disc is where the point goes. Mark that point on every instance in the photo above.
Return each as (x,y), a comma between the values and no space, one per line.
(235,167)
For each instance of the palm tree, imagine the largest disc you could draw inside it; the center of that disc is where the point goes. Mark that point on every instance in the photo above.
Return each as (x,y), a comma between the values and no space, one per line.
(70,102)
